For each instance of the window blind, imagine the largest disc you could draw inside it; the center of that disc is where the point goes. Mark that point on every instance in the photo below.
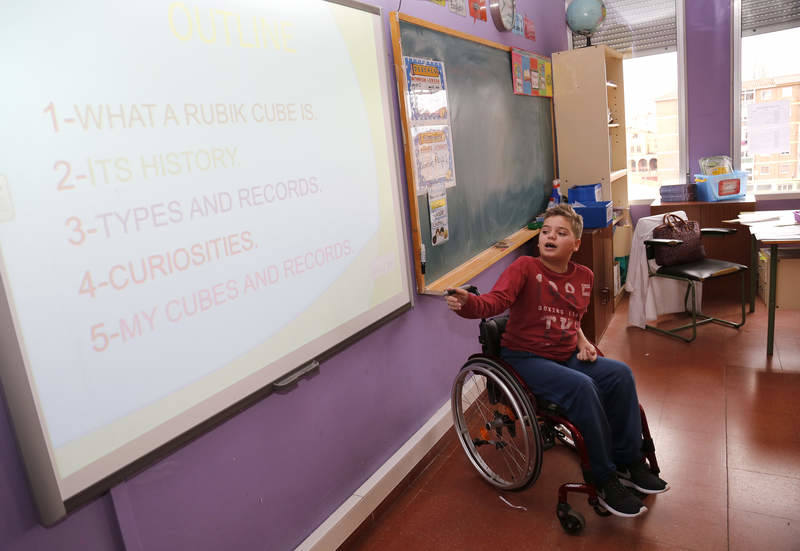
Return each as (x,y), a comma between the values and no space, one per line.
(636,26)
(760,16)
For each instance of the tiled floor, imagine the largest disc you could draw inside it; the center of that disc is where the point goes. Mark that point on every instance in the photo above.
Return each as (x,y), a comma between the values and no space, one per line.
(726,423)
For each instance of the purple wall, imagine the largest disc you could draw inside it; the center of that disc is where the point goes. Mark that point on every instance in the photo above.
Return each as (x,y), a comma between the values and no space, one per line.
(708,79)
(268,477)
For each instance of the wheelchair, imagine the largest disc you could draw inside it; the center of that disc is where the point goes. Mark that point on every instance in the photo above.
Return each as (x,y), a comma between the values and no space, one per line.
(504,428)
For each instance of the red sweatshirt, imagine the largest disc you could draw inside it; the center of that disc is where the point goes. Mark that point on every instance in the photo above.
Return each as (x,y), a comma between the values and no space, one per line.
(546,307)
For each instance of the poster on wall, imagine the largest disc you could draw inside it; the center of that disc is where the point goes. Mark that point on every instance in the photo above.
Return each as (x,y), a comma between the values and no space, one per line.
(437,206)
(770,127)
(477,9)
(433,157)
(426,97)
(532,74)
(530,29)
(458,7)
(429,117)
(518,25)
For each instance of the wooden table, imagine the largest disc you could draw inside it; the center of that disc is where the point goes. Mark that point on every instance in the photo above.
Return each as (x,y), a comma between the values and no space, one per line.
(773,228)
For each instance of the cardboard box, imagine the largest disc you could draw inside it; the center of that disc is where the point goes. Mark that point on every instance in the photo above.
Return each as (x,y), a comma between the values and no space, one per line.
(622,240)
(788,295)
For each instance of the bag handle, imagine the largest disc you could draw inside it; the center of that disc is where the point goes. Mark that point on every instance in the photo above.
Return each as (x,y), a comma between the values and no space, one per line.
(673,221)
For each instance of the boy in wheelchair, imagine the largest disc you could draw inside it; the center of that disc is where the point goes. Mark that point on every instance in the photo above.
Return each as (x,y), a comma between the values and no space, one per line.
(547,297)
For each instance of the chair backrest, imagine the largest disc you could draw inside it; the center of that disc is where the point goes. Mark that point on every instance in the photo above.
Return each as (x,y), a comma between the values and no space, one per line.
(491,331)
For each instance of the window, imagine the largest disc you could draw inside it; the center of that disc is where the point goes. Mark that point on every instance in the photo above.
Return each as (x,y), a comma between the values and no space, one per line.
(649,34)
(766,61)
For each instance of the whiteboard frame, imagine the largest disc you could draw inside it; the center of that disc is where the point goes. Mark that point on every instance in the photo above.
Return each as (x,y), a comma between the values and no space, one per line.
(22,398)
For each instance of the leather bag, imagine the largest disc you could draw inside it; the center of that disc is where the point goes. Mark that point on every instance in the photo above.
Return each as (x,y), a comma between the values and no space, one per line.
(675,227)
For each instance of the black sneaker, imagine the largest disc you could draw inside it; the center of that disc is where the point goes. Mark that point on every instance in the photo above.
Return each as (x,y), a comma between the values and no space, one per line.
(618,500)
(639,477)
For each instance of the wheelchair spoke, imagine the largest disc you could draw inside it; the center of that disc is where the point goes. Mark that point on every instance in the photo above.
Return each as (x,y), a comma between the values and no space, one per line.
(493,422)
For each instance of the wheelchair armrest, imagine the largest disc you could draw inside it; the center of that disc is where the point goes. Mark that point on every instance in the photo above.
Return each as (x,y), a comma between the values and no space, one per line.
(659,242)
(717,231)
(490,332)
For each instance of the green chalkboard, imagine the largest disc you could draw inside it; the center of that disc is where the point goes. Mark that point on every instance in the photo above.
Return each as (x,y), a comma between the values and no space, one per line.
(502,147)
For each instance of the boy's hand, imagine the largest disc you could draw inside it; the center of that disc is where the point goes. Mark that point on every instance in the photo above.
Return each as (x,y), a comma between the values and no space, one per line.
(586,351)
(456,298)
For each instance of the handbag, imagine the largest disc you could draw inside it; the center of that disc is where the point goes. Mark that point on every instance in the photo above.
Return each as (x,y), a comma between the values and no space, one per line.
(675,227)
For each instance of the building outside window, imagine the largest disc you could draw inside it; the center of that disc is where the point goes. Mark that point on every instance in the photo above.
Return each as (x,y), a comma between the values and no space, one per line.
(649,34)
(651,105)
(765,53)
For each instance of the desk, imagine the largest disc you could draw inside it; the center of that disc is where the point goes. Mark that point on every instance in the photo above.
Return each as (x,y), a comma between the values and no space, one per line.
(773,228)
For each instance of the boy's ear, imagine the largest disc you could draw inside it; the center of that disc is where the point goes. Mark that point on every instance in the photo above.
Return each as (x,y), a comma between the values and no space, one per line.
(577,245)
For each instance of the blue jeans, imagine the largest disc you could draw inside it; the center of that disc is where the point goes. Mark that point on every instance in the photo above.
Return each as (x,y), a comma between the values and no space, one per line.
(599,398)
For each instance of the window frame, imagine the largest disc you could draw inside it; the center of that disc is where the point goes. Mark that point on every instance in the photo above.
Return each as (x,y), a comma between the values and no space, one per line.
(736,97)
(680,49)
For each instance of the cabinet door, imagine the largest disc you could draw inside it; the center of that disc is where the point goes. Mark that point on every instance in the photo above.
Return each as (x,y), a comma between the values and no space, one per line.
(595,253)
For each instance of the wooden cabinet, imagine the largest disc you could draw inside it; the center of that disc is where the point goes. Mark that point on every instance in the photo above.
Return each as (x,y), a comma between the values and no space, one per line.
(589,105)
(595,252)
(734,248)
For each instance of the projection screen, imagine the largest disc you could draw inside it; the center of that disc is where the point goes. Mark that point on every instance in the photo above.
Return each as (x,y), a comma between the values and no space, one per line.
(196,199)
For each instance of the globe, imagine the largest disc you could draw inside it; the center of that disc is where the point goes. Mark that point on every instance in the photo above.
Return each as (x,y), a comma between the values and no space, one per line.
(584,17)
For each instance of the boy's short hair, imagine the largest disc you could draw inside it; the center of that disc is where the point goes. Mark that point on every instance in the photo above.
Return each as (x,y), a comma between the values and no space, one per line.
(575,219)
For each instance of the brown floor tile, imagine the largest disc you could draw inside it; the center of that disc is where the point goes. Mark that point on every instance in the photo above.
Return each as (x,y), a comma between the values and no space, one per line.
(646,545)
(725,419)
(690,520)
(675,445)
(696,416)
(755,531)
(770,456)
(766,494)
(767,391)
(751,423)
(788,350)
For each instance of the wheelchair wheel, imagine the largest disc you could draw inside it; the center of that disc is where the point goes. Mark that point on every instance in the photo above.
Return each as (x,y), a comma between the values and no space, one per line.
(496,425)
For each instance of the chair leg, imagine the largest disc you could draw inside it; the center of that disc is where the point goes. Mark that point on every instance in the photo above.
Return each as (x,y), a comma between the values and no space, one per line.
(703,318)
(674,331)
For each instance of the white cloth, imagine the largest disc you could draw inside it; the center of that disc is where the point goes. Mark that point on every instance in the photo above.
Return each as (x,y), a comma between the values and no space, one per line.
(652,296)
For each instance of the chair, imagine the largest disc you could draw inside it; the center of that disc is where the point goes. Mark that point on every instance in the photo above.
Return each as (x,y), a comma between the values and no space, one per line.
(504,428)
(692,273)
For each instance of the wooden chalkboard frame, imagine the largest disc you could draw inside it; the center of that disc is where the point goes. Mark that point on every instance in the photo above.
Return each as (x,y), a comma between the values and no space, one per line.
(472,267)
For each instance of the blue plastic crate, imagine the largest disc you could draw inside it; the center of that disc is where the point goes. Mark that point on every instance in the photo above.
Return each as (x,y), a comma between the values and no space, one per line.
(591,193)
(596,215)
(722,186)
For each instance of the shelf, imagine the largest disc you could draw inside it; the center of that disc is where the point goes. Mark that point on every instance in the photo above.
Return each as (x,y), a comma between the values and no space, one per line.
(479,263)
(611,84)
(617,174)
